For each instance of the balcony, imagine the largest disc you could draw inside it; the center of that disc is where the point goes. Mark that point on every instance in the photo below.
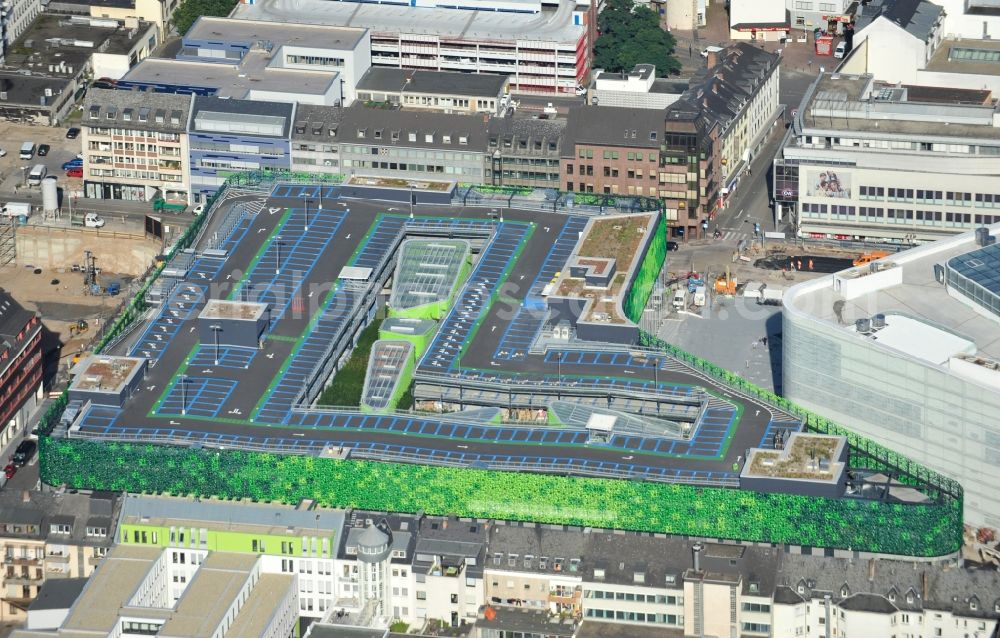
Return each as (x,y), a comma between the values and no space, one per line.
(21,579)
(58,559)
(21,560)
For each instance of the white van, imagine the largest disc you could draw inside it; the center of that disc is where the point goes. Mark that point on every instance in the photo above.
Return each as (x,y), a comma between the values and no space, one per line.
(37,174)
(680,299)
(17,209)
(93,220)
(27,150)
(841,50)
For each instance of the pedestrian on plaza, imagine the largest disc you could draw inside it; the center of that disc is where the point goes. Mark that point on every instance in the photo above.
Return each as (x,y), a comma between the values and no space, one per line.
(690,51)
(810,64)
(810,264)
(764,339)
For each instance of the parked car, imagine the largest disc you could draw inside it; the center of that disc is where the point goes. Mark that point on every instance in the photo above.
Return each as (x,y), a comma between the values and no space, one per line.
(198,210)
(672,245)
(76,171)
(93,220)
(841,50)
(43,150)
(24,452)
(72,133)
(73,163)
(9,471)
(3,153)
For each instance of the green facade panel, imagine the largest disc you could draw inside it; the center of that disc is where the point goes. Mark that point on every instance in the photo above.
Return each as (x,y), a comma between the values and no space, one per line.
(869,526)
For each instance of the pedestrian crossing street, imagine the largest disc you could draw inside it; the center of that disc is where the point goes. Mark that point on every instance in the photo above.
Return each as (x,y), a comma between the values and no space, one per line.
(735,235)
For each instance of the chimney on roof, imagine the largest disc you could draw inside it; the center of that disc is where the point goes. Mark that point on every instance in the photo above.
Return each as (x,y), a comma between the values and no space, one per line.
(871,569)
(25,496)
(925,585)
(696,556)
(712,59)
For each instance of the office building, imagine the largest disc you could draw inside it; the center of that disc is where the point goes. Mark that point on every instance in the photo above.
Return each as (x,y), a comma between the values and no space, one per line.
(261,61)
(869,160)
(314,139)
(20,369)
(906,352)
(441,91)
(14,19)
(50,535)
(412,145)
(229,135)
(542,47)
(135,146)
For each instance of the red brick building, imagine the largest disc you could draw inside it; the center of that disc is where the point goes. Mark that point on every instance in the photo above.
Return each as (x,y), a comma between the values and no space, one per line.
(20,367)
(612,150)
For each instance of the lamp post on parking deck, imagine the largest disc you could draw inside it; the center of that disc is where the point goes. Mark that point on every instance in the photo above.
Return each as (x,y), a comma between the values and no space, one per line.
(216,329)
(183,379)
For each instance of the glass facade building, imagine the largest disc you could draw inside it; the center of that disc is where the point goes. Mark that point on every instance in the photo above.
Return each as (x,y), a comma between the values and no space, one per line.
(938,414)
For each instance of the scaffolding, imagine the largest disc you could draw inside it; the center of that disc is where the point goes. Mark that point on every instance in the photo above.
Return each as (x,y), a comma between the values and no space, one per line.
(8,240)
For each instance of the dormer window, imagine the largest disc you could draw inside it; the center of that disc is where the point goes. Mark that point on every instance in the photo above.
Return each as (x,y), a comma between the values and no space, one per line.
(317,129)
(598,574)
(754,588)
(543,562)
(512,560)
(574,564)
(845,591)
(909,598)
(429,138)
(412,137)
(378,134)
(527,561)
(639,578)
(497,559)
(671,579)
(300,128)
(973,604)
(463,140)
(394,136)
(652,136)
(801,589)
(892,597)
(446,139)
(352,550)
(362,133)
(95,112)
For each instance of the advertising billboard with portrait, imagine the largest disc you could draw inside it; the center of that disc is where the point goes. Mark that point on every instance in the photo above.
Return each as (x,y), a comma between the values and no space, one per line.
(829,183)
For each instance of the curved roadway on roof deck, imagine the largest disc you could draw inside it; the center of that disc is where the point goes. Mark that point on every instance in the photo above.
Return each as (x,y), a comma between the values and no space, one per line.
(227,412)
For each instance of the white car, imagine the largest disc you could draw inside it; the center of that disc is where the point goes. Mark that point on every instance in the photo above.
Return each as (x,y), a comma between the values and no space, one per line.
(841,50)
(3,153)
(93,220)
(198,210)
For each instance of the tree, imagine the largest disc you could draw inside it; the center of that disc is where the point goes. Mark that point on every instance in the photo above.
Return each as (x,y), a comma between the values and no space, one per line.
(630,35)
(190,10)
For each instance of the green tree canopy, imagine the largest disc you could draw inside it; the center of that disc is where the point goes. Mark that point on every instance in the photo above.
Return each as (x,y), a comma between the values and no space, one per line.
(630,35)
(190,10)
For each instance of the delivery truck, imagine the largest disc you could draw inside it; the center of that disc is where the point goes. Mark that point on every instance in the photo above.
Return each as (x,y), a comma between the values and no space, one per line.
(16,209)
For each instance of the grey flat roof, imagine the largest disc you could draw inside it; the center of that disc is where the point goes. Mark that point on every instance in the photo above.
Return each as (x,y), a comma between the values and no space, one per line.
(432,82)
(28,91)
(244,110)
(49,27)
(551,26)
(919,296)
(233,81)
(840,102)
(233,30)
(946,60)
(111,587)
(240,513)
(58,593)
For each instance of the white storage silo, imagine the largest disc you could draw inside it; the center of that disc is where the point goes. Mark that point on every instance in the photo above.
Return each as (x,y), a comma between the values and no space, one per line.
(50,196)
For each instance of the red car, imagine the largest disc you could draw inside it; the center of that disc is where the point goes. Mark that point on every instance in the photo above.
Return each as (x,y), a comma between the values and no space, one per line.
(74,172)
(10,471)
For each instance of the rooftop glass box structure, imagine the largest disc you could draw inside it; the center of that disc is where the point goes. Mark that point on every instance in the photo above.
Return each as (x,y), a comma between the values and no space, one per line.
(233,323)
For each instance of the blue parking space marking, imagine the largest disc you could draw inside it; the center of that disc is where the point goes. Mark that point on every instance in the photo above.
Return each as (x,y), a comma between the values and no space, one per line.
(200,396)
(182,303)
(229,357)
(775,426)
(277,282)
(523,329)
(299,191)
(475,298)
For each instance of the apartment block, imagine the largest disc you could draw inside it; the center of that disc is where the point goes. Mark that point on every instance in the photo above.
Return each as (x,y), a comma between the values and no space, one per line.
(495,579)
(20,368)
(524,151)
(135,146)
(50,535)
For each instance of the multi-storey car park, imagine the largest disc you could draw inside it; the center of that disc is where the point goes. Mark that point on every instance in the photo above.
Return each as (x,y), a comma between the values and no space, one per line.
(588,433)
